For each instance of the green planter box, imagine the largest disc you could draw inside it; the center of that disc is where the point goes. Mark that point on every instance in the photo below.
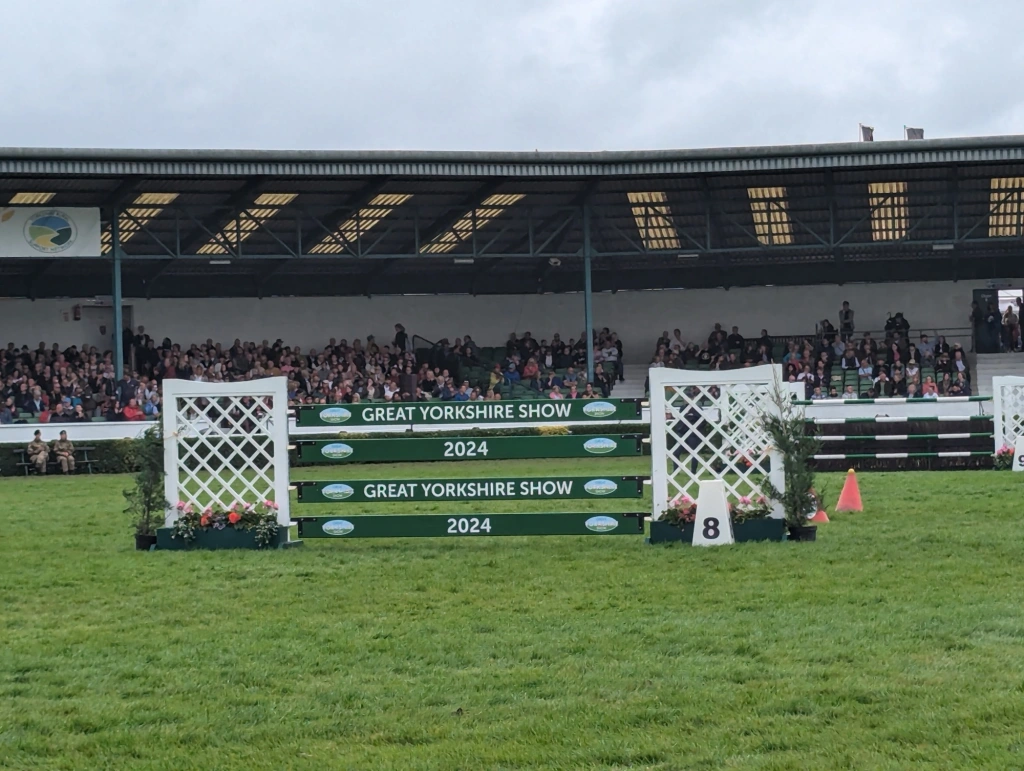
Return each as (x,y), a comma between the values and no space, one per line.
(228,538)
(753,530)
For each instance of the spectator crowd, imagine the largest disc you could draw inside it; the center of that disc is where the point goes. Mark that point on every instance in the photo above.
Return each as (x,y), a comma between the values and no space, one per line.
(55,384)
(835,363)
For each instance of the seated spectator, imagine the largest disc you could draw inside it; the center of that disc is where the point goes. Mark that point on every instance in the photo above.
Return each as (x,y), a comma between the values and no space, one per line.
(912,392)
(817,395)
(962,384)
(151,408)
(849,392)
(556,393)
(64,451)
(462,395)
(865,369)
(59,415)
(7,413)
(79,416)
(38,452)
(131,411)
(589,393)
(574,392)
(960,363)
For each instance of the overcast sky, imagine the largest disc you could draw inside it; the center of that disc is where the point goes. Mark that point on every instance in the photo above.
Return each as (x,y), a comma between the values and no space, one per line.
(504,74)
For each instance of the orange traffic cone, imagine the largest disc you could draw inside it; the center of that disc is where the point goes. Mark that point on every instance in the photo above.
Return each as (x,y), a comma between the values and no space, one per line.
(820,516)
(849,498)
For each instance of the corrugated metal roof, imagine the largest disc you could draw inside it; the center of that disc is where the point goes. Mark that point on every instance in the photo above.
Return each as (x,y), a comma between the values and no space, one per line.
(300,163)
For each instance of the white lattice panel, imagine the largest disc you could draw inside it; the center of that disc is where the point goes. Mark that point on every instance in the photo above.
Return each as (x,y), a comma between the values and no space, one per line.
(1008,399)
(706,425)
(226,443)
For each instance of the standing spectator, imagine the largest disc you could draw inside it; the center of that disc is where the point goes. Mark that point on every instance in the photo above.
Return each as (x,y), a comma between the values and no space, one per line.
(1010,326)
(38,452)
(7,412)
(128,388)
(846,325)
(401,339)
(65,453)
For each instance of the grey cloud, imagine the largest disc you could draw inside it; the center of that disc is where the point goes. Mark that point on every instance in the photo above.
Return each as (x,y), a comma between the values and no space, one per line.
(456,74)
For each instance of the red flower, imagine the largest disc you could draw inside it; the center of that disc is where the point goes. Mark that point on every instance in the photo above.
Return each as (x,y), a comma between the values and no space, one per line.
(204,521)
(233,517)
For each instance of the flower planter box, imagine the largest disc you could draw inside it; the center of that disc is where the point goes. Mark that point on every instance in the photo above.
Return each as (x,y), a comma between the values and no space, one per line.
(228,538)
(760,530)
(751,530)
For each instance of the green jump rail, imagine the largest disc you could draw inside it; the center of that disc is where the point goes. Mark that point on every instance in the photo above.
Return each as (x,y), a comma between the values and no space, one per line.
(472,414)
(892,400)
(898,419)
(902,455)
(476,489)
(899,437)
(469,525)
(405,448)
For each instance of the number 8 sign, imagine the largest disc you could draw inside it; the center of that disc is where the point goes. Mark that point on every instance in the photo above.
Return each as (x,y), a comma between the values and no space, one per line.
(713,526)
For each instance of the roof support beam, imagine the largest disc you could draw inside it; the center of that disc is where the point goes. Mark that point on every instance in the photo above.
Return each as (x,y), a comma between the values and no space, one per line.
(200,235)
(436,228)
(713,227)
(359,200)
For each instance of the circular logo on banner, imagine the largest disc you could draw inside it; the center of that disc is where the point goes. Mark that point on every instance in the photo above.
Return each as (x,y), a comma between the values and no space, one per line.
(335,415)
(601,524)
(600,487)
(337,492)
(50,231)
(338,527)
(599,410)
(338,450)
(599,446)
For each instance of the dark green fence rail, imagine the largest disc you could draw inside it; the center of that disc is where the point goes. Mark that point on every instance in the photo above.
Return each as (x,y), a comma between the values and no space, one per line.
(469,525)
(483,489)
(471,414)
(399,449)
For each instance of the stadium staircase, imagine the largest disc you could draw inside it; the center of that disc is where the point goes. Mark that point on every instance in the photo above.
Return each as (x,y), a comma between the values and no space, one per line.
(991,364)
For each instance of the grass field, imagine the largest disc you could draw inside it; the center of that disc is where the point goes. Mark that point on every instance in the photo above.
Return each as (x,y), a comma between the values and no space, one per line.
(896,641)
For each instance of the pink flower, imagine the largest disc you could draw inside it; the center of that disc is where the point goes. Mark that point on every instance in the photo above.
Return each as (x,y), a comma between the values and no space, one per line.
(208,511)
(745,500)
(180,505)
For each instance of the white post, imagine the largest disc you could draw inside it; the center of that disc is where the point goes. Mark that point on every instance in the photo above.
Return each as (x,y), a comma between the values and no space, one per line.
(730,405)
(226,442)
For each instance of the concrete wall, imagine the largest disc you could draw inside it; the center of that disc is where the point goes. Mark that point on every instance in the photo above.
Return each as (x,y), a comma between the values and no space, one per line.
(638,317)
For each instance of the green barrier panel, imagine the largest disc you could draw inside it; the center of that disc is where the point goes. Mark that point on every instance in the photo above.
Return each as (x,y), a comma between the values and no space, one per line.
(469,413)
(468,526)
(398,449)
(499,489)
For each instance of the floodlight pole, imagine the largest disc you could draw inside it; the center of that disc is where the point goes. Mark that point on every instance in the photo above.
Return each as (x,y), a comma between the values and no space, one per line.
(115,243)
(588,308)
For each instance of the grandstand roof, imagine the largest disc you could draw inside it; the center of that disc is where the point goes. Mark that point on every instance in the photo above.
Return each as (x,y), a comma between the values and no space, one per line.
(314,222)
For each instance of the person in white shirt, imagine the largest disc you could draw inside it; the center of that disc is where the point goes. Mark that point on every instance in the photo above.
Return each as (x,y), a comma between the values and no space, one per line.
(610,359)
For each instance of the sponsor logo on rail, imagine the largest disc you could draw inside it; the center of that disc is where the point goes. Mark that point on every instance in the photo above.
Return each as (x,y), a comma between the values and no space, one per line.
(599,410)
(336,451)
(335,415)
(338,492)
(600,487)
(601,524)
(339,527)
(600,445)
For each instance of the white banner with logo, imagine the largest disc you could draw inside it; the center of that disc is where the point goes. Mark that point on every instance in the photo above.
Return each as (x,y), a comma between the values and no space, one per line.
(47,231)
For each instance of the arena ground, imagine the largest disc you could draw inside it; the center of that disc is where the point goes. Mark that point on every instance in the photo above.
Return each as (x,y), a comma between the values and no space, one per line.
(894,640)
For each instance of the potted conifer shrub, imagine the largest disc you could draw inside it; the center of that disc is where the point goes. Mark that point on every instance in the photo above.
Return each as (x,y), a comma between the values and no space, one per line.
(146,503)
(798,446)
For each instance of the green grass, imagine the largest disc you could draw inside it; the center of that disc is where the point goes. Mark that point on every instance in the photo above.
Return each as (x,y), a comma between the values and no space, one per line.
(896,641)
